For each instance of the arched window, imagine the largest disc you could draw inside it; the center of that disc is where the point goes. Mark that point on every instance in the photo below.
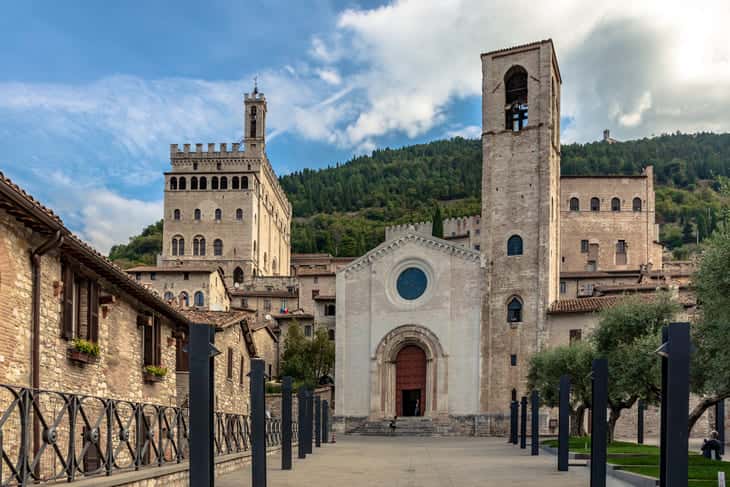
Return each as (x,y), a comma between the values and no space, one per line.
(234,182)
(515,83)
(193,183)
(595,204)
(199,245)
(199,298)
(239,214)
(217,247)
(574,204)
(169,296)
(181,246)
(203,183)
(181,183)
(214,182)
(514,311)
(615,204)
(514,245)
(184,299)
(224,182)
(176,214)
(217,214)
(197,214)
(238,275)
(637,204)
(173,183)
(244,182)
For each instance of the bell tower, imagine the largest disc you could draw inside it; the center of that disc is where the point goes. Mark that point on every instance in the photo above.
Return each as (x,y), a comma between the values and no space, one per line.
(520,213)
(254,123)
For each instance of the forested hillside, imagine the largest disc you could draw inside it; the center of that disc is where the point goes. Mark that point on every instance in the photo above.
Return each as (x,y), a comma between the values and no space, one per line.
(343,209)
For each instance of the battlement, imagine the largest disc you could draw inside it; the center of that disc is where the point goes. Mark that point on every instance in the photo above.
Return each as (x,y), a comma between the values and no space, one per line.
(207,151)
(421,228)
(255,96)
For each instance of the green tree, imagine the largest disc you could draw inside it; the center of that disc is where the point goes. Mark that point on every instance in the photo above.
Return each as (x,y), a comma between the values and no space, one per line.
(438,223)
(546,368)
(627,335)
(307,360)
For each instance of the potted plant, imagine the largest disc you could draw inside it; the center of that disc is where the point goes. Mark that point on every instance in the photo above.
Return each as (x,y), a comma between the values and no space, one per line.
(83,351)
(153,373)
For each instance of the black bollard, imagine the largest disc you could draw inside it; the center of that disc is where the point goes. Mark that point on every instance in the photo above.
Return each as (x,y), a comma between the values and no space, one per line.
(317,421)
(310,421)
(513,422)
(663,417)
(640,423)
(564,423)
(325,421)
(258,424)
(202,384)
(720,423)
(535,428)
(286,407)
(302,419)
(523,423)
(599,403)
(675,352)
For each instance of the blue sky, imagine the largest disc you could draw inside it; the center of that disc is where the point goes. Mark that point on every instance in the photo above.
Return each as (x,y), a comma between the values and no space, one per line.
(93,93)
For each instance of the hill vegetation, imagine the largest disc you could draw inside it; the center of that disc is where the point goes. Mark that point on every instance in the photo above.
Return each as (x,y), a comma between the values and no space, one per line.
(344,209)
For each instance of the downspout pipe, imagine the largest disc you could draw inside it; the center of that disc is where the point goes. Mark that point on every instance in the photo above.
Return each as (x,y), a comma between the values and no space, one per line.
(35,259)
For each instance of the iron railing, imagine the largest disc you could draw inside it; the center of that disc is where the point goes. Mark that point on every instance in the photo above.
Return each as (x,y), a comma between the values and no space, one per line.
(81,435)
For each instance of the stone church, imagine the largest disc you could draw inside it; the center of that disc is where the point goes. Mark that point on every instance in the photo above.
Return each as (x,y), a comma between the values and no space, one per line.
(444,328)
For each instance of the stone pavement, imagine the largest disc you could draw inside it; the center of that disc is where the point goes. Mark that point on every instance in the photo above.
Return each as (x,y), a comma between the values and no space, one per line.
(417,462)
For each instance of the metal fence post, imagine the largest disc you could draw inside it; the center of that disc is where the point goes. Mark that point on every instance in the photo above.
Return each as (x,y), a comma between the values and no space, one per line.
(202,385)
(258,424)
(317,421)
(302,419)
(523,423)
(325,421)
(640,422)
(599,403)
(676,351)
(564,423)
(513,422)
(535,428)
(286,401)
(720,424)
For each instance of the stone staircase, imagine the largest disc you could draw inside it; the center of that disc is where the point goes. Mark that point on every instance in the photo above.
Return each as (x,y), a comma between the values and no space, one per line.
(405,426)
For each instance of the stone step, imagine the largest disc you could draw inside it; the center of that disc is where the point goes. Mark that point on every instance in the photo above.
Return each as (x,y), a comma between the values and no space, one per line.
(409,426)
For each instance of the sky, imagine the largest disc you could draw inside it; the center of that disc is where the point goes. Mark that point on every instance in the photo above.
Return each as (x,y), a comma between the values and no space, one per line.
(92,94)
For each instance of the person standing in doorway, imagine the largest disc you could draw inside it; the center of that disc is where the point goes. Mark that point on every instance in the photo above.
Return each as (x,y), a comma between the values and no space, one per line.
(417,409)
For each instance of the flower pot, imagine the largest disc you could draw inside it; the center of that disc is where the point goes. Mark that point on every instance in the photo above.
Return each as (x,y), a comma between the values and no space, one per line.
(80,357)
(151,378)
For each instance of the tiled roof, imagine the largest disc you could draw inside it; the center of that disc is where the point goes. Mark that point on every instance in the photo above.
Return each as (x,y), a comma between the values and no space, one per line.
(314,272)
(263,293)
(520,46)
(219,319)
(325,297)
(32,213)
(584,305)
(192,268)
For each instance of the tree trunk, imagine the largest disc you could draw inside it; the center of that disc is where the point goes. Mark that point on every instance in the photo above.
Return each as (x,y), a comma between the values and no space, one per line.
(612,420)
(701,407)
(576,421)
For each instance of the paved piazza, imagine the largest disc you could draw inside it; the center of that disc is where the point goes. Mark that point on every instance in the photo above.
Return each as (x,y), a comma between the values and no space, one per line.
(417,462)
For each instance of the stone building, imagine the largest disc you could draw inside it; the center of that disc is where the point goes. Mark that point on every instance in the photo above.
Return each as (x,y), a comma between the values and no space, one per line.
(226,207)
(199,286)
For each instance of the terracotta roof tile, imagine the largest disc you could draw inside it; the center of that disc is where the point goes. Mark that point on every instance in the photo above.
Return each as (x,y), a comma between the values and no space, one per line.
(215,318)
(584,305)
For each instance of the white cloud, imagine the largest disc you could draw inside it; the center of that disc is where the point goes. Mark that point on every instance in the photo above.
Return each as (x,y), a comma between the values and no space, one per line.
(467,132)
(330,76)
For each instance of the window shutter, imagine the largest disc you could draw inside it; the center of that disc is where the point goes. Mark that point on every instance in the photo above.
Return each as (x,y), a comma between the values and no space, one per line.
(67,328)
(147,344)
(230,363)
(240,373)
(158,341)
(93,312)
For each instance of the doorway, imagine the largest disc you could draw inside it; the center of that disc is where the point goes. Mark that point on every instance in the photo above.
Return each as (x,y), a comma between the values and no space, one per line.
(410,381)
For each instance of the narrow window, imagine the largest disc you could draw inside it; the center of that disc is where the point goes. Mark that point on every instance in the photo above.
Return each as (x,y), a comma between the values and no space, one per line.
(193,183)
(203,182)
(181,183)
(515,82)
(241,375)
(173,183)
(184,299)
(202,246)
(239,214)
(252,132)
(563,287)
(199,298)
(615,204)
(637,204)
(218,214)
(238,275)
(575,336)
(186,276)
(229,369)
(513,360)
(267,304)
(621,252)
(153,276)
(217,247)
(308,330)
(234,182)
(176,214)
(514,245)
(195,166)
(224,182)
(584,246)
(244,182)
(574,204)
(514,311)
(595,204)
(330,310)
(214,182)
(197,214)
(181,246)
(152,343)
(196,246)
(331,334)
(218,165)
(174,246)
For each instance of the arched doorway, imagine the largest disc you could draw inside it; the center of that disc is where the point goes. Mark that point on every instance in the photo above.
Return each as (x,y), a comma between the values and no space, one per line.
(410,381)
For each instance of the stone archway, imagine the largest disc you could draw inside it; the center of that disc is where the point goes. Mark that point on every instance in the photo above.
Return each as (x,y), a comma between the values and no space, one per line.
(383,397)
